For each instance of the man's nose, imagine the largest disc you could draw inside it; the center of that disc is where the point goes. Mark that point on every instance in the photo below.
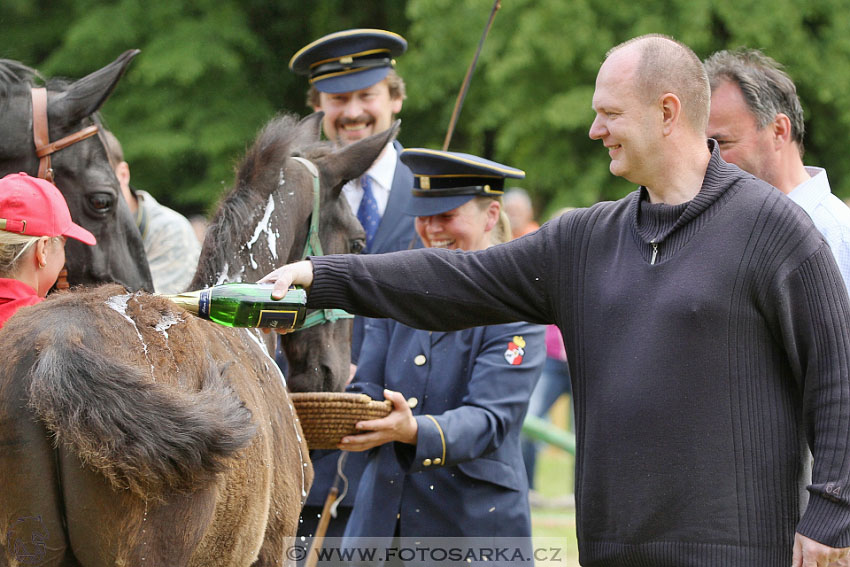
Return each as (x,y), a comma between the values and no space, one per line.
(596,129)
(353,109)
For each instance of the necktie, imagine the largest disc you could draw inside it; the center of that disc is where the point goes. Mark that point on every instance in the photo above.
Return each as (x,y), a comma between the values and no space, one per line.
(367,213)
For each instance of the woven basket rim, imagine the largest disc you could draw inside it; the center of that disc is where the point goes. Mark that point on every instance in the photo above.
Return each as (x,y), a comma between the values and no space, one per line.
(327,417)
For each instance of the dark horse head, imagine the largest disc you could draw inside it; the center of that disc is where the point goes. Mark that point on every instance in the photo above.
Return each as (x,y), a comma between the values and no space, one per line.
(81,170)
(264,223)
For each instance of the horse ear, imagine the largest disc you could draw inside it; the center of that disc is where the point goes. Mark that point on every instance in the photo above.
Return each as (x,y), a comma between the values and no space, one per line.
(353,160)
(311,127)
(85,96)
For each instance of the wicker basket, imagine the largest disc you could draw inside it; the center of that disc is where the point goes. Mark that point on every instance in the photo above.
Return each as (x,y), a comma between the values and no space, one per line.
(327,417)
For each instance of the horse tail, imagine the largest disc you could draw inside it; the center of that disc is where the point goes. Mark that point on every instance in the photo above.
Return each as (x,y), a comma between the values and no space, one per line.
(144,436)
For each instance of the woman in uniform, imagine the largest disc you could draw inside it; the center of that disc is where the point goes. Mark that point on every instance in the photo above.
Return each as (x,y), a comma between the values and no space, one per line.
(446,462)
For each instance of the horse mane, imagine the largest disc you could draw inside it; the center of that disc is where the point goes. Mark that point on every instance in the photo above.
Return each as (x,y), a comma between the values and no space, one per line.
(256,178)
(14,74)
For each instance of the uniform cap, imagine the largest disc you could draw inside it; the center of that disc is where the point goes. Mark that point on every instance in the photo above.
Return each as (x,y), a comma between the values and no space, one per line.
(443,181)
(35,207)
(348,60)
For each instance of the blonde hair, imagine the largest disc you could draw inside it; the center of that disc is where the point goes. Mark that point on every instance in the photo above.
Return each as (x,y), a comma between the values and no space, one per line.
(12,249)
(502,231)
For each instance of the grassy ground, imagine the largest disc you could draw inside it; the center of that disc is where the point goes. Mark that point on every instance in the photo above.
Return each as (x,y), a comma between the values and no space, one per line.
(553,518)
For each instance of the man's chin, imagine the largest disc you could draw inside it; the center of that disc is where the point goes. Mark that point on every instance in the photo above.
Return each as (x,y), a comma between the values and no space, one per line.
(351,137)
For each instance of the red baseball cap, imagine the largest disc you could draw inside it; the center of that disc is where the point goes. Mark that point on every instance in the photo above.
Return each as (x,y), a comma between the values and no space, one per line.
(35,207)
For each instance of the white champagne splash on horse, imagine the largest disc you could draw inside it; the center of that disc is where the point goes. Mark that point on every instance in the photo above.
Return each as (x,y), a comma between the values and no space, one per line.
(264,226)
(119,304)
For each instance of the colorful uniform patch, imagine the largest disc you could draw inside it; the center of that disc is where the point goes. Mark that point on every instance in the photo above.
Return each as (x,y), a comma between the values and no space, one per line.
(515,351)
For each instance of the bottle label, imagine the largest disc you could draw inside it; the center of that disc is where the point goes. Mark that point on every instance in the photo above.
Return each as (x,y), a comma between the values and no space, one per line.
(204,304)
(277,319)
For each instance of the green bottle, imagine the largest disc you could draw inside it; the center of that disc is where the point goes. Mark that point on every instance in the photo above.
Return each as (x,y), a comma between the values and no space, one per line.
(246,305)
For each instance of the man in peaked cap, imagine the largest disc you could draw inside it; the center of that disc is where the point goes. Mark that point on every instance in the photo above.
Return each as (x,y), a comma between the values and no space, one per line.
(354,82)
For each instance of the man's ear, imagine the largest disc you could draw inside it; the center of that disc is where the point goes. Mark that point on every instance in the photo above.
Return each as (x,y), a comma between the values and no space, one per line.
(122,172)
(781,130)
(671,110)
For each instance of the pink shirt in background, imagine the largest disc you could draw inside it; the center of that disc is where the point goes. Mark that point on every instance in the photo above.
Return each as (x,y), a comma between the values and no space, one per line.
(555,343)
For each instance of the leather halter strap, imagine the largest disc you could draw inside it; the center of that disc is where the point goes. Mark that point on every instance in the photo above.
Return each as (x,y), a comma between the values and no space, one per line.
(43,146)
(313,247)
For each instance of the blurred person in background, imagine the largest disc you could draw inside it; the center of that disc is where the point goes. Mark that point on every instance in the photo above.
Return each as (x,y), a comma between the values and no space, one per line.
(520,211)
(170,242)
(757,119)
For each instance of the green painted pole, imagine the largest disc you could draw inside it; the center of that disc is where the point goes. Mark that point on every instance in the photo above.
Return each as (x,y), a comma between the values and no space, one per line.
(542,430)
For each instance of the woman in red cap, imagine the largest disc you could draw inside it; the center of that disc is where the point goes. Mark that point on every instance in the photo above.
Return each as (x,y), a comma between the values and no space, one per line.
(34,222)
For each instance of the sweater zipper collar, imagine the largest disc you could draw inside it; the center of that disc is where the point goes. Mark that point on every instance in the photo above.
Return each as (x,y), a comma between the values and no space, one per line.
(654,252)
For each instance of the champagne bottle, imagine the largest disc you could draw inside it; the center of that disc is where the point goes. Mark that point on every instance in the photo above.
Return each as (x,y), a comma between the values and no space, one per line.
(246,305)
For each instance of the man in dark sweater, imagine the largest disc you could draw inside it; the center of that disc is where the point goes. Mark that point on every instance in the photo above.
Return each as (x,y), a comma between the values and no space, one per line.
(708,330)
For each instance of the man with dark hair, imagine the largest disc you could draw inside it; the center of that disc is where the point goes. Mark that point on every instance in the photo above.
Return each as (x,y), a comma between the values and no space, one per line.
(757,120)
(703,358)
(353,81)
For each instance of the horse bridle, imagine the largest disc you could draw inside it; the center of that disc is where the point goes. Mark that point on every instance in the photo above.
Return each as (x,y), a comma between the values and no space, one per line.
(44,148)
(313,247)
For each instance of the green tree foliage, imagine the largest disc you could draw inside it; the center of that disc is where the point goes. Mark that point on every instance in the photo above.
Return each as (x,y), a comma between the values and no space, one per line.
(212,72)
(529,104)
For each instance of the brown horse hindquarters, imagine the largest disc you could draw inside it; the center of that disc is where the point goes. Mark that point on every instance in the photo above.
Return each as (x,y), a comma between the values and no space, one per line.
(266,486)
(166,467)
(31,523)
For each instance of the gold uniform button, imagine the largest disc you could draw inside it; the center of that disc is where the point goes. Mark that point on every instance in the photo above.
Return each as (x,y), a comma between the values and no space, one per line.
(438,460)
(412,402)
(419,360)
(426,463)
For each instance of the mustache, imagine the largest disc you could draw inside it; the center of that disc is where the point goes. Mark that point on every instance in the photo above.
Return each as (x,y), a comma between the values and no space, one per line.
(362,119)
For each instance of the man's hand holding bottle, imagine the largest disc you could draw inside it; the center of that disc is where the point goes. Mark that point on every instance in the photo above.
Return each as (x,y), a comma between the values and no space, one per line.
(297,273)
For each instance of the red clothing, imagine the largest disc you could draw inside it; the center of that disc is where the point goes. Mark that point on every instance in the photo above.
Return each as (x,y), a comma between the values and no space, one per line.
(15,294)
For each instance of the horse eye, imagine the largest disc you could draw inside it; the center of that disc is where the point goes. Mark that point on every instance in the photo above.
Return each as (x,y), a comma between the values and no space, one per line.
(356,246)
(101,202)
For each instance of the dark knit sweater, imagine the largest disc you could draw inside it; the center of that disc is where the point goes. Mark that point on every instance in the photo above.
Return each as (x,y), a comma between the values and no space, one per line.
(698,379)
